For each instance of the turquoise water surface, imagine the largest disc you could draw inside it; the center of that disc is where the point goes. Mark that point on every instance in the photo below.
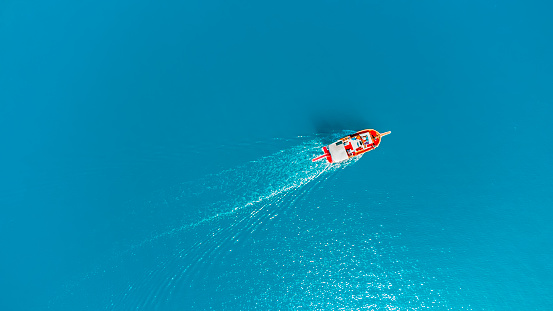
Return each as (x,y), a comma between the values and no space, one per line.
(157,155)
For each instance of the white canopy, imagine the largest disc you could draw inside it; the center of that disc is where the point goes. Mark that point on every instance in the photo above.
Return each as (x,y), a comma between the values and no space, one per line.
(338,152)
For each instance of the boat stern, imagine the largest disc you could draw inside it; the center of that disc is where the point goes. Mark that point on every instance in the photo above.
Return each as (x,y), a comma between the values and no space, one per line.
(325,155)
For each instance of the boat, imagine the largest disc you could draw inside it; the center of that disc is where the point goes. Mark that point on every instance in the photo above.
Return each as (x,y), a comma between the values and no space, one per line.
(351,146)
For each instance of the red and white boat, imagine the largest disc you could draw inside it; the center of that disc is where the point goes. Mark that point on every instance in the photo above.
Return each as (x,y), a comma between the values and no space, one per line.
(351,146)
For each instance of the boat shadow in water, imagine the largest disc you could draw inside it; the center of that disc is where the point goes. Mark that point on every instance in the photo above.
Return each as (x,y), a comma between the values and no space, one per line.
(327,120)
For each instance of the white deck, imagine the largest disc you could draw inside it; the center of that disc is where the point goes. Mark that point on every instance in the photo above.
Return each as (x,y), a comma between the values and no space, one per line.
(356,143)
(337,152)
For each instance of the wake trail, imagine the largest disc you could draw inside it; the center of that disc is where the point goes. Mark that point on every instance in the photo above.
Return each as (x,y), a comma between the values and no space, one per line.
(185,231)
(255,183)
(238,202)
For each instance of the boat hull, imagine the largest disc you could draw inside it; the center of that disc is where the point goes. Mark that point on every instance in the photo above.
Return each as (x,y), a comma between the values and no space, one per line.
(351,146)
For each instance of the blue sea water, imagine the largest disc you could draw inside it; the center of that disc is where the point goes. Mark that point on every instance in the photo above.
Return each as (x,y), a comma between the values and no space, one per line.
(156,155)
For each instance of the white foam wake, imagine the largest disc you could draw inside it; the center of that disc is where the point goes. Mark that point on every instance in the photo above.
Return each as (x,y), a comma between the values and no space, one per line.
(218,212)
(247,186)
